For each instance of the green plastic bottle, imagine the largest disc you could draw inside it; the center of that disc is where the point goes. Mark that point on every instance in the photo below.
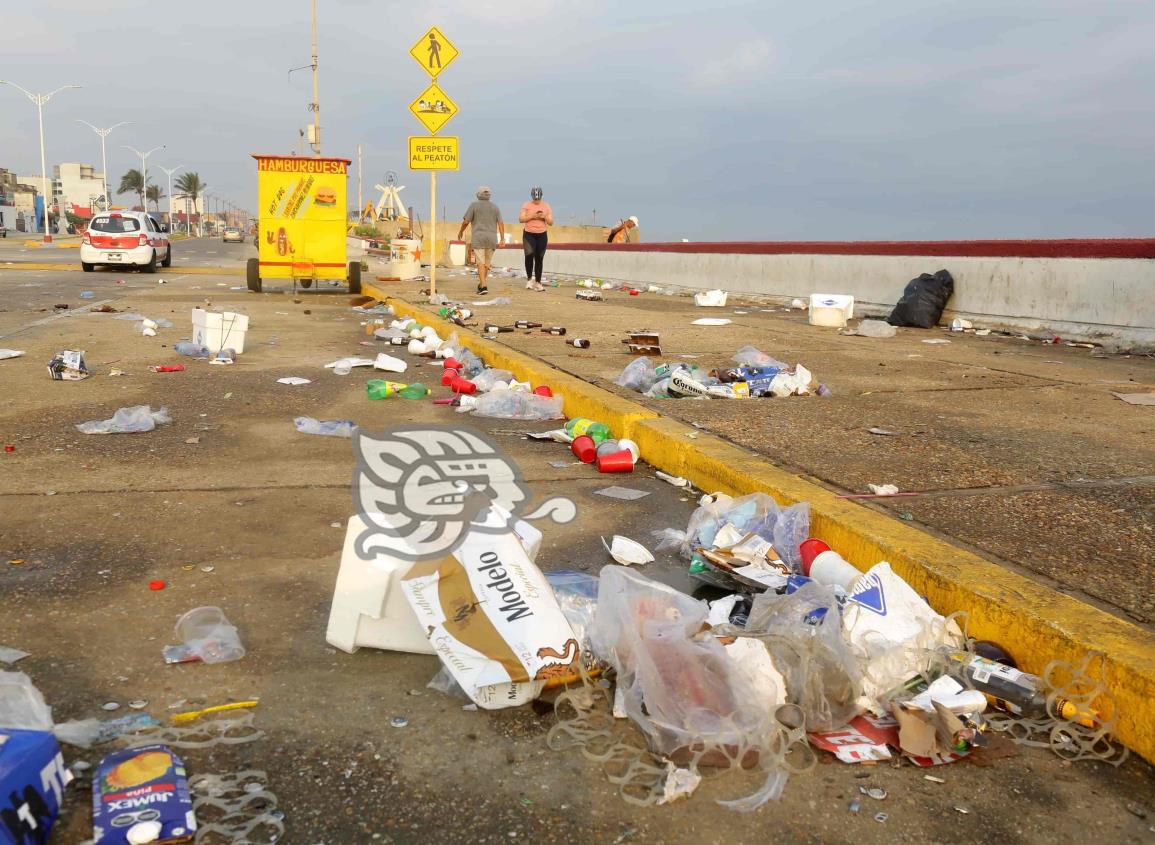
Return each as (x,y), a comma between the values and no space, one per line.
(381,389)
(414,391)
(582,425)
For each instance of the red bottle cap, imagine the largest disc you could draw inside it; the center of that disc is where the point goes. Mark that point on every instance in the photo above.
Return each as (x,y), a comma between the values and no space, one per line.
(634,292)
(622,461)
(811,549)
(452,364)
(448,376)
(584,449)
(9,448)
(543,391)
(461,385)
(158,584)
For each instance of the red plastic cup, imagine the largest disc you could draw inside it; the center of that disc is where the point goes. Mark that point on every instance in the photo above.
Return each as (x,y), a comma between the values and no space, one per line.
(448,376)
(634,292)
(462,385)
(543,391)
(452,364)
(810,549)
(584,449)
(622,461)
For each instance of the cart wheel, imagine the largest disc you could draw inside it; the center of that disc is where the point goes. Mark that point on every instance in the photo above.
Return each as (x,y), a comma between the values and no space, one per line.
(253,275)
(305,283)
(354,277)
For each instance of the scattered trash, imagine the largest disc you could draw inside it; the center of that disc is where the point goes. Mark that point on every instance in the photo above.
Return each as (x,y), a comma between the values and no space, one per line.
(679,783)
(875,328)
(191,350)
(389,364)
(881,817)
(875,792)
(626,551)
(588,296)
(166,368)
(205,635)
(923,301)
(11,353)
(294,381)
(11,655)
(710,299)
(219,330)
(87,294)
(883,489)
(831,309)
(959,325)
(236,807)
(934,779)
(798,305)
(883,432)
(68,366)
(624,494)
(936,340)
(712,321)
(676,480)
(328,428)
(516,405)
(399,722)
(136,419)
(344,366)
(151,770)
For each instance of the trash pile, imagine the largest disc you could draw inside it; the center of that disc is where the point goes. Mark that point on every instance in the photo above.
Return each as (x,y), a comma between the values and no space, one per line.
(756,374)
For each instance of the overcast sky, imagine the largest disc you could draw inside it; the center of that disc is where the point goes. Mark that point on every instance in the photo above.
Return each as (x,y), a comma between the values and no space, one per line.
(719,121)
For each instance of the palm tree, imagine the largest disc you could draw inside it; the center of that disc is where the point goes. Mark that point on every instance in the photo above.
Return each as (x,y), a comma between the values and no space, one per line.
(189,183)
(132,183)
(155,195)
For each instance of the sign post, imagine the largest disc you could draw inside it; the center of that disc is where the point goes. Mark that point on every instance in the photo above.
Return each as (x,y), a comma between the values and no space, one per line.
(434,108)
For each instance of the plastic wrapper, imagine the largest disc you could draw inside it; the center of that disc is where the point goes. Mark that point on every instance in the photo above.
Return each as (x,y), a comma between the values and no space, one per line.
(127,421)
(517,405)
(577,596)
(638,375)
(22,707)
(803,634)
(206,636)
(752,356)
(486,379)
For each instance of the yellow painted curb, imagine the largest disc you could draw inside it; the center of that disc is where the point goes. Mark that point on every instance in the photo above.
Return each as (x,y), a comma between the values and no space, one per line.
(1035,623)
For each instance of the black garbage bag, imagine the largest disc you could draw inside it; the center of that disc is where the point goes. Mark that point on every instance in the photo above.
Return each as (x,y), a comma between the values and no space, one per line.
(923,301)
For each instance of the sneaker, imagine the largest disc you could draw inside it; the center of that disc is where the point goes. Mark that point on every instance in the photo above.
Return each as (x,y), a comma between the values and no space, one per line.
(537,286)
(528,285)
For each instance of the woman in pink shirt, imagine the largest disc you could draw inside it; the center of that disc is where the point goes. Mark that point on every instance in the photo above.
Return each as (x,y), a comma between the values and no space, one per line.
(536,217)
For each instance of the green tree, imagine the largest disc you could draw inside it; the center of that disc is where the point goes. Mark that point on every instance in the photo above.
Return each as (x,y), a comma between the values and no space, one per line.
(155,195)
(189,183)
(132,183)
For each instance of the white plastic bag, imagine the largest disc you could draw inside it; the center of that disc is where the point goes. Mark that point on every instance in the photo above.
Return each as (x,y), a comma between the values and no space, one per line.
(127,421)
(22,707)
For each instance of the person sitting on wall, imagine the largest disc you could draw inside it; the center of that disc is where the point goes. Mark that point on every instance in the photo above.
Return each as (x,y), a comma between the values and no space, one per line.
(620,233)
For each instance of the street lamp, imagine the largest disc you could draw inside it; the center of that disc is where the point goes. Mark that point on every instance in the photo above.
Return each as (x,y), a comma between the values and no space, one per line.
(170,173)
(205,214)
(103,133)
(144,171)
(39,100)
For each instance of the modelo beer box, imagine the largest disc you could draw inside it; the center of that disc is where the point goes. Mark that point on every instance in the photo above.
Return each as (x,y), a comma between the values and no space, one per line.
(142,792)
(32,782)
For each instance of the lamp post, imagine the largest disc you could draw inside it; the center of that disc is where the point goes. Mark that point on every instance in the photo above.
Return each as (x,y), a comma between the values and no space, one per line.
(170,173)
(39,100)
(205,211)
(144,171)
(103,133)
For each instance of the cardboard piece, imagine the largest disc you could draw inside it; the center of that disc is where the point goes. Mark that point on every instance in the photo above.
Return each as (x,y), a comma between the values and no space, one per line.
(492,618)
(863,734)
(32,781)
(144,788)
(68,365)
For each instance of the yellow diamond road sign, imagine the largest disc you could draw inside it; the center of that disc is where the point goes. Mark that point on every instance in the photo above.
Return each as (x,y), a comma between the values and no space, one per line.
(433,153)
(433,51)
(433,108)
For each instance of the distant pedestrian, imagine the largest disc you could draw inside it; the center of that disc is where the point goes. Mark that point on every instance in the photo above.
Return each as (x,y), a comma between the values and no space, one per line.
(537,217)
(486,224)
(621,232)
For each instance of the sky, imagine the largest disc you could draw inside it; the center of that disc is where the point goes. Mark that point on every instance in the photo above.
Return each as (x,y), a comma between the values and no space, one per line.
(708,121)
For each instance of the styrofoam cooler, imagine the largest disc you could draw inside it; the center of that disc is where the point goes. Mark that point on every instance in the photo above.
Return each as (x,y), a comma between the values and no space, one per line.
(219,330)
(831,309)
(457,253)
(369,607)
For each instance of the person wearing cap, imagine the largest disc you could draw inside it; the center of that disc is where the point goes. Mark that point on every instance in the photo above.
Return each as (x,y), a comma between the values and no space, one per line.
(536,217)
(484,219)
(620,234)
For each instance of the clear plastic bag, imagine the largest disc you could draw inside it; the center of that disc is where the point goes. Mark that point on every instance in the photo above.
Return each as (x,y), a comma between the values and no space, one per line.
(127,421)
(517,405)
(486,379)
(803,633)
(758,513)
(22,707)
(752,356)
(638,375)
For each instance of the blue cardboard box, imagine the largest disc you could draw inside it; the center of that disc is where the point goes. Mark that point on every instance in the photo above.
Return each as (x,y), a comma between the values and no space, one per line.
(32,782)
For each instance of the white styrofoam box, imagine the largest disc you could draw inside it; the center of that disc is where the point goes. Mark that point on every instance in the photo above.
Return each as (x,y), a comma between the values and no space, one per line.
(831,309)
(369,607)
(457,253)
(711,298)
(219,330)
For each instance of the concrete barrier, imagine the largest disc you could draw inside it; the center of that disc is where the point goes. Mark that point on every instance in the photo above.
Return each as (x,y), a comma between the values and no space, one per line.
(1095,290)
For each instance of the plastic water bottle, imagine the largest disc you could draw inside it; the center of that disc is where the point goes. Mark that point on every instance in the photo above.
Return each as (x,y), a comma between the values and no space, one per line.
(381,389)
(582,425)
(192,350)
(329,428)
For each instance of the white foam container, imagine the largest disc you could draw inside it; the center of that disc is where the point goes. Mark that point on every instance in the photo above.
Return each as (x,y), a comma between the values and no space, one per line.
(831,309)
(457,253)
(369,607)
(219,330)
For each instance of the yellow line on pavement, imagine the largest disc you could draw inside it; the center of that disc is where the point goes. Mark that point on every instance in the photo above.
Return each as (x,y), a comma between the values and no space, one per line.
(1034,623)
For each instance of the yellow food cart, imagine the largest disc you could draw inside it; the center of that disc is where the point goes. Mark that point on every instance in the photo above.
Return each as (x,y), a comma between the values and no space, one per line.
(301,224)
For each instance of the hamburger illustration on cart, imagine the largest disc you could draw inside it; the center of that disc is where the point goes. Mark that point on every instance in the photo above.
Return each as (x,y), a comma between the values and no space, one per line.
(301,222)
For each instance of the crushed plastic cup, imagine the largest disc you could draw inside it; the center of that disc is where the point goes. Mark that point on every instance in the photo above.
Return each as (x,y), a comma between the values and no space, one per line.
(622,461)
(631,447)
(206,633)
(584,449)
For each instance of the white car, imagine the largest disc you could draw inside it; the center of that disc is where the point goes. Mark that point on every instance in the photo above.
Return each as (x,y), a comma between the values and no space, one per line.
(125,239)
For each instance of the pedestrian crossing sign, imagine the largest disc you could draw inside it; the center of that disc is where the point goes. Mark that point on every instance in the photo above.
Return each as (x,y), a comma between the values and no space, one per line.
(434,52)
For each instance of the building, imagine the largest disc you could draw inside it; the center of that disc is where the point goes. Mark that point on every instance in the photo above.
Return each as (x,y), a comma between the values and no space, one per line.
(17,203)
(75,188)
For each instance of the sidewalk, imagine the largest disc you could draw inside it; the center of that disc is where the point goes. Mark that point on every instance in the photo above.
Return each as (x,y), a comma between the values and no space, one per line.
(1019,448)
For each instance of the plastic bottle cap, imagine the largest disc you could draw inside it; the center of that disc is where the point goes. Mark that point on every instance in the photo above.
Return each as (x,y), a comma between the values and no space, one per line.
(584,449)
(543,391)
(622,461)
(158,584)
(809,550)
